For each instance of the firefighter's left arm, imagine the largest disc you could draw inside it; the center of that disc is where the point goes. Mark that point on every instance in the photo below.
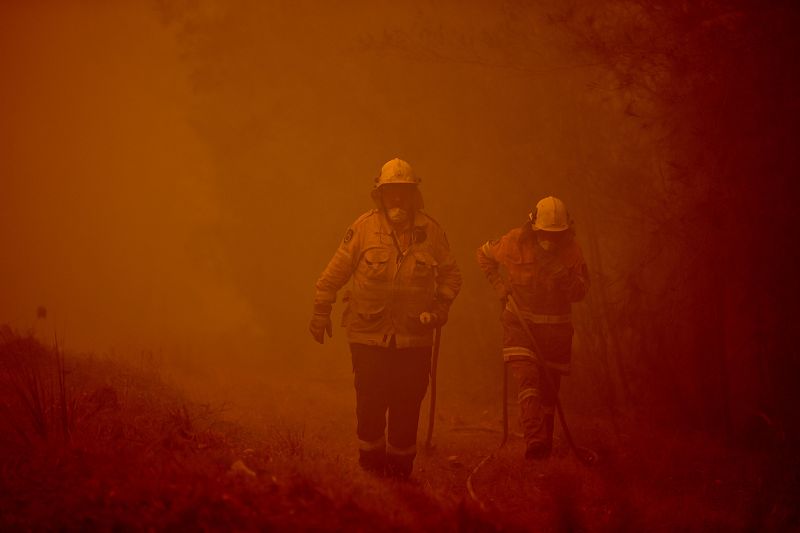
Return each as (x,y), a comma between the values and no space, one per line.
(573,279)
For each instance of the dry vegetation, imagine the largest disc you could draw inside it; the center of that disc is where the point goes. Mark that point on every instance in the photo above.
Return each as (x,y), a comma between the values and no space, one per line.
(88,443)
(689,322)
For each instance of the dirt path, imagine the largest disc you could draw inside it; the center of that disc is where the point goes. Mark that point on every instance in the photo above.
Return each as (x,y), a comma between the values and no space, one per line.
(646,479)
(512,492)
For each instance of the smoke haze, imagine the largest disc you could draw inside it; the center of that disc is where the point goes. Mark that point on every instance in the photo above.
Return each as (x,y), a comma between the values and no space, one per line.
(176,175)
(181,175)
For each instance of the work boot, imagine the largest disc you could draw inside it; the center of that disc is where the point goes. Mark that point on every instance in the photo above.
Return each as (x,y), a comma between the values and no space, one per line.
(399,466)
(373,461)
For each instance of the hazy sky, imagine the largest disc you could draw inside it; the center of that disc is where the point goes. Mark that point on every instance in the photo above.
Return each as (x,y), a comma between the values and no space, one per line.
(177,174)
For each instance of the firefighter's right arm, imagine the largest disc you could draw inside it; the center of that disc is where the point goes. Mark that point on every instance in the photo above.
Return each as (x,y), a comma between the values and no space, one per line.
(333,278)
(489,262)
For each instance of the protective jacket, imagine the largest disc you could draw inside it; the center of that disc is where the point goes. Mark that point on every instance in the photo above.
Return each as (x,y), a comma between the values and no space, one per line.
(544,285)
(390,287)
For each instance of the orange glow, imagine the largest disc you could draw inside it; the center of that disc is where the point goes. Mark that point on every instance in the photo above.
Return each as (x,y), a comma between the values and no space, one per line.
(174,176)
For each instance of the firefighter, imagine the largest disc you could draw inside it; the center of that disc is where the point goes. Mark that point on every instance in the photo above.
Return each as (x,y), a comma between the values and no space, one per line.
(404,280)
(545,273)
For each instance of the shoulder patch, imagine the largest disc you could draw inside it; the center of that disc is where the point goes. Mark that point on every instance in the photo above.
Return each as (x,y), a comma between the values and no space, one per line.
(348,236)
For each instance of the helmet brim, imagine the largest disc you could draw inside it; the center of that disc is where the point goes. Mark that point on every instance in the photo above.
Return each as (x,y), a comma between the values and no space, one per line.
(552,230)
(419,203)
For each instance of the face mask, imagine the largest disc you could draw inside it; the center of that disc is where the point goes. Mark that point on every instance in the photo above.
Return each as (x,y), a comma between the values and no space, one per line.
(397,215)
(546,245)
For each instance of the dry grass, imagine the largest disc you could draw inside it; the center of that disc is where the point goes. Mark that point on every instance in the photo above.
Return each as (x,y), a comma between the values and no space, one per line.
(89,443)
(35,380)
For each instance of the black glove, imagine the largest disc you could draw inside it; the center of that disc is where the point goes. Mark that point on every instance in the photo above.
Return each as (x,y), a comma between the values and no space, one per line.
(560,278)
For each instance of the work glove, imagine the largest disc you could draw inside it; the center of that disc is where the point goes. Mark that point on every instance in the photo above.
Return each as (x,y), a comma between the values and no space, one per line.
(429,319)
(321,322)
(437,316)
(433,319)
(503,292)
(560,278)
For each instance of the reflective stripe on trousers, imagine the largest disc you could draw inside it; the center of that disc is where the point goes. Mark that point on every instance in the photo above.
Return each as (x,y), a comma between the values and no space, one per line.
(408,450)
(527,393)
(518,353)
(542,319)
(371,445)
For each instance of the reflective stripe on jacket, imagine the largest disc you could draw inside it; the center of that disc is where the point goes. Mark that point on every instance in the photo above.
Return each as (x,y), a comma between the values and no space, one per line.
(389,290)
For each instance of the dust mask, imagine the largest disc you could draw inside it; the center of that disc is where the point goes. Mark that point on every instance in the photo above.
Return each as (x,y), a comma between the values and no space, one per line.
(546,245)
(397,215)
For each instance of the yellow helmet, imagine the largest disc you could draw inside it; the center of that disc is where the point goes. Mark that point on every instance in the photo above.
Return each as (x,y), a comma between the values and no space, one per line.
(550,214)
(396,171)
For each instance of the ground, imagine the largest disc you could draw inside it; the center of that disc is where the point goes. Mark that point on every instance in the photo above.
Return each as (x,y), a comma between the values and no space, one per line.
(91,443)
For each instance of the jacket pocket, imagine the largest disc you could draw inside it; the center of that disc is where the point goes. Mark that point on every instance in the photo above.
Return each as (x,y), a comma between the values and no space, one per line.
(366,315)
(424,265)
(375,263)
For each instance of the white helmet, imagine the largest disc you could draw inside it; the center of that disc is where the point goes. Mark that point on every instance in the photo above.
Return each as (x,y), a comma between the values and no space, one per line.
(396,171)
(550,214)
